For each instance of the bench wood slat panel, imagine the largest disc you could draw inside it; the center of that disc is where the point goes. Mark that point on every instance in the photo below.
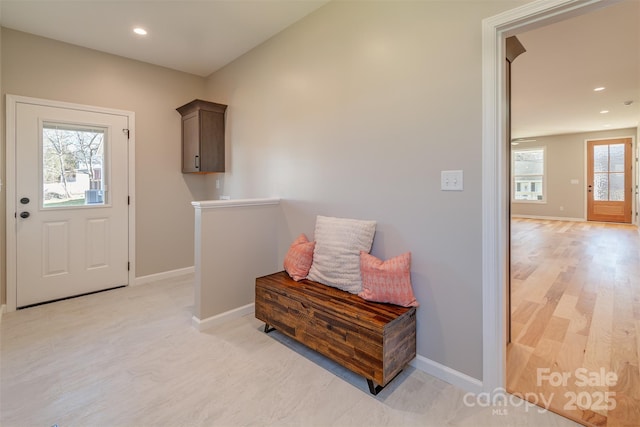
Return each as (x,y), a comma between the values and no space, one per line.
(371,339)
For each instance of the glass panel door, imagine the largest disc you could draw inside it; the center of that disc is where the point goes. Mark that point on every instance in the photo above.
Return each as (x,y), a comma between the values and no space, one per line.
(609,180)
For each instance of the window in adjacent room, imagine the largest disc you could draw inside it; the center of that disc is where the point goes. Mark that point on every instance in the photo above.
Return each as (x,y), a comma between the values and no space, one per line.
(528,168)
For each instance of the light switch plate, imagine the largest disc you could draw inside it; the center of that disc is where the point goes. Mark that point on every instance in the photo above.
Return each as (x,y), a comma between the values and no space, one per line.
(451,180)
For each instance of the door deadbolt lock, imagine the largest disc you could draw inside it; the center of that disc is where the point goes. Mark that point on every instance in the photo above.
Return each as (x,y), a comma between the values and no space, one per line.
(24,200)
(24,215)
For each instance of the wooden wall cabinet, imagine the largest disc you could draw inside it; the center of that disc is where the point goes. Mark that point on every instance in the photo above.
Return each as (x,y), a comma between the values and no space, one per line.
(202,136)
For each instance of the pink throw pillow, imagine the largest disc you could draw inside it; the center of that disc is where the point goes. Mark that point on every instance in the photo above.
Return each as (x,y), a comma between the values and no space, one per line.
(298,260)
(387,281)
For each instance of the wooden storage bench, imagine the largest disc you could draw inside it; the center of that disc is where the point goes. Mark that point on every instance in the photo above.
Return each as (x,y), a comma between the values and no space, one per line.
(371,339)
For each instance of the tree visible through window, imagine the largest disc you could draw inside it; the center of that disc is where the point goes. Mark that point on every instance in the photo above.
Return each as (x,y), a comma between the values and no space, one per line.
(528,174)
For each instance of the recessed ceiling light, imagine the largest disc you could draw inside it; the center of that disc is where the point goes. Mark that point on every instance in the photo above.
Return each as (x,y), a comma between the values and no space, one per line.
(604,111)
(606,126)
(140,31)
(599,89)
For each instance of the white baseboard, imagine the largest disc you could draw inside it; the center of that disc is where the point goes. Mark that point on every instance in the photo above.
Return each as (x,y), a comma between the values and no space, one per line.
(218,319)
(164,275)
(549,218)
(447,374)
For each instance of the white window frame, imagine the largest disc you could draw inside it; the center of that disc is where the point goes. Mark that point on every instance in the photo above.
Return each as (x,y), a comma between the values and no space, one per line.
(544,175)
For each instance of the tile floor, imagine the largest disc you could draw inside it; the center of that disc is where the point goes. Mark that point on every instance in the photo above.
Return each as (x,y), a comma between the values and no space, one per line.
(129,357)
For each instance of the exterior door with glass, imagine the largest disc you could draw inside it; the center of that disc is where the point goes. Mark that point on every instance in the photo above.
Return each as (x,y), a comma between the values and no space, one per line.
(71,208)
(609,180)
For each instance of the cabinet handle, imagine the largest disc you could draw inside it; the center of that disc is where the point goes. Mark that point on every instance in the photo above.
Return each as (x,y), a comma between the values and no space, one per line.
(197,161)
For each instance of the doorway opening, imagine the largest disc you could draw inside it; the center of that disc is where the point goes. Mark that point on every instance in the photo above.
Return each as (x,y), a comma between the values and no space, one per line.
(573,283)
(495,173)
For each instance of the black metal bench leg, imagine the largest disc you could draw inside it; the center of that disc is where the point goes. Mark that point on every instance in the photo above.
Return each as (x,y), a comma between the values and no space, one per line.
(268,328)
(374,389)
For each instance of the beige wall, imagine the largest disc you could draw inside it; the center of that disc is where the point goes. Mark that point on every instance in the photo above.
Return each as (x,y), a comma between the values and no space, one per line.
(42,68)
(3,179)
(353,112)
(565,161)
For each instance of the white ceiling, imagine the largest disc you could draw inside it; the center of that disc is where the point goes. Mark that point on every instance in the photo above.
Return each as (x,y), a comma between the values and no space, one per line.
(197,37)
(552,82)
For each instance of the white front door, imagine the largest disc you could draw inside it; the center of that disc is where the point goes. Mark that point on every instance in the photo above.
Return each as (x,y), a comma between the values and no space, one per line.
(71,171)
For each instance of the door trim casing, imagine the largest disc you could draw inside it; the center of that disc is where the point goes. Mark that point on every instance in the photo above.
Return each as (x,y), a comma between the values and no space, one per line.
(495,196)
(11,245)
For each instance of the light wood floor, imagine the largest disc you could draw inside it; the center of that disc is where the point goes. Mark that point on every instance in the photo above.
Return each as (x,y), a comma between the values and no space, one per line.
(130,357)
(576,304)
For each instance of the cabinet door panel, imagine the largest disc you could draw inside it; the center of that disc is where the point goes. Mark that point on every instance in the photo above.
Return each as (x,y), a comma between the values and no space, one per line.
(190,143)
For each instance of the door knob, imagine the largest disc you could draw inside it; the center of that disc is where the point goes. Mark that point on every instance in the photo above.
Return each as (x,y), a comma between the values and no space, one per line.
(24,200)
(24,214)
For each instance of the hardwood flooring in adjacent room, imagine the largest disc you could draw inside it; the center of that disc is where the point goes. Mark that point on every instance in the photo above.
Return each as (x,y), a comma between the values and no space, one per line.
(130,357)
(575,293)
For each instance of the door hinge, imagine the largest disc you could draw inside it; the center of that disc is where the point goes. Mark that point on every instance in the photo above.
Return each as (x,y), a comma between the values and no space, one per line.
(126,132)
(129,266)
(128,200)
